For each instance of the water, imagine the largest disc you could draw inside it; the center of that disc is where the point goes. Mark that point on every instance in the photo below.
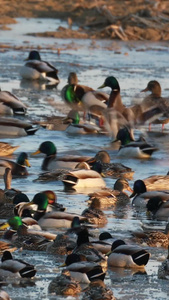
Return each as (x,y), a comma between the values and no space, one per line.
(134,64)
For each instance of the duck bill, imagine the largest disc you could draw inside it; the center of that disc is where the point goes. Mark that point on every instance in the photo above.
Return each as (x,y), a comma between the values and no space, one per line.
(130,190)
(61,266)
(108,253)
(132,195)
(145,90)
(102,86)
(27,163)
(36,152)
(4,226)
(114,141)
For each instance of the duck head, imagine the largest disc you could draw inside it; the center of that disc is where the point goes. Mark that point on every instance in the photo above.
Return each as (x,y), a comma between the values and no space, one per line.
(124,135)
(23,159)
(47,148)
(112,83)
(154,87)
(73,117)
(138,188)
(33,55)
(72,78)
(13,223)
(83,237)
(122,185)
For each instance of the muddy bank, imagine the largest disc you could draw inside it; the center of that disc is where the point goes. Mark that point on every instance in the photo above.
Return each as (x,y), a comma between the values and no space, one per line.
(124,20)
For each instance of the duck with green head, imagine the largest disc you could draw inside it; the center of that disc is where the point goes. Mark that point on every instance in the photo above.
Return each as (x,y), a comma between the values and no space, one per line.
(131,148)
(51,162)
(18,168)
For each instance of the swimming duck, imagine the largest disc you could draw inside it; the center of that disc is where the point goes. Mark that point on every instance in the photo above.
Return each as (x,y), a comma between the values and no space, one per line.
(64,285)
(127,256)
(84,247)
(155,99)
(110,197)
(131,148)
(114,170)
(10,104)
(142,196)
(84,178)
(16,127)
(18,168)
(7,149)
(53,219)
(158,208)
(52,162)
(153,238)
(97,290)
(163,269)
(82,270)
(37,69)
(15,267)
(94,213)
(77,127)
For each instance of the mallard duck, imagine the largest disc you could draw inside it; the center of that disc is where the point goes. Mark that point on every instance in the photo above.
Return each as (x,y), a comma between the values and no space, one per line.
(16,127)
(158,208)
(63,244)
(155,99)
(114,170)
(15,267)
(52,162)
(97,290)
(64,285)
(157,182)
(7,149)
(84,178)
(84,247)
(104,243)
(127,256)
(153,238)
(110,197)
(53,219)
(131,148)
(18,168)
(77,127)
(163,269)
(4,295)
(81,97)
(37,69)
(94,213)
(10,104)
(82,270)
(141,195)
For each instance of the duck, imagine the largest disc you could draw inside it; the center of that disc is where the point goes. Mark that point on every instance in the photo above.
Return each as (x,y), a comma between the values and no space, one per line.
(158,208)
(127,256)
(82,270)
(104,243)
(15,267)
(52,162)
(81,97)
(163,269)
(63,244)
(11,105)
(157,182)
(109,197)
(94,213)
(131,148)
(97,290)
(6,149)
(84,247)
(64,284)
(153,238)
(37,69)
(53,219)
(141,196)
(75,126)
(114,170)
(18,168)
(14,127)
(155,99)
(84,178)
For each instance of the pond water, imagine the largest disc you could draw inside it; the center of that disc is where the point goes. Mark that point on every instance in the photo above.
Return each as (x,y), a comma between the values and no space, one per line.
(133,64)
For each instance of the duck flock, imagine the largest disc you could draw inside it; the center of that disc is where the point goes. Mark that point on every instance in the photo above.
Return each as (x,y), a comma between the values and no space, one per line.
(42,224)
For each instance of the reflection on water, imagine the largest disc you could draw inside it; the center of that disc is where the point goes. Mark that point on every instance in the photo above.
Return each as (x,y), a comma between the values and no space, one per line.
(93,65)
